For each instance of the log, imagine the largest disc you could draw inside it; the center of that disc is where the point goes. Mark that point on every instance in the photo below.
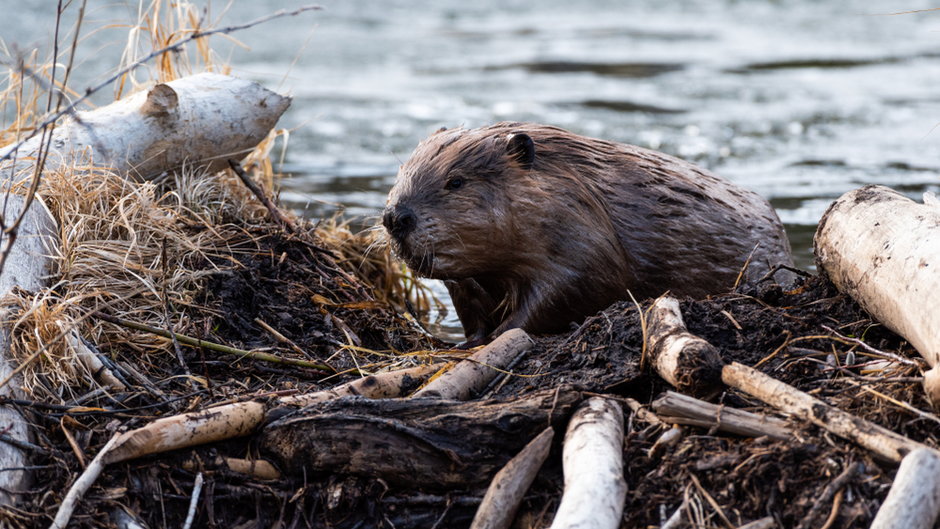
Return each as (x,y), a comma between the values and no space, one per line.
(681,409)
(200,121)
(689,363)
(592,458)
(883,249)
(914,499)
(27,266)
(431,444)
(242,418)
(471,376)
(882,442)
(502,499)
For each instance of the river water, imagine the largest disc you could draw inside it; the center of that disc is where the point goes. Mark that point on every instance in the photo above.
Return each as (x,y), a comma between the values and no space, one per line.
(799,100)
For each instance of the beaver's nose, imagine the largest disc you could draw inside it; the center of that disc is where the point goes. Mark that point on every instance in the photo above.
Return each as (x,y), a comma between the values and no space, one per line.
(399,221)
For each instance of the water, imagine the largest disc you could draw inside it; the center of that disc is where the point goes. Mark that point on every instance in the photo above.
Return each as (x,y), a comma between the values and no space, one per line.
(799,100)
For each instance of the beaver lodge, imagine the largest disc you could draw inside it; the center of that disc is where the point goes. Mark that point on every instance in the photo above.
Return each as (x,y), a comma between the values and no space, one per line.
(181,352)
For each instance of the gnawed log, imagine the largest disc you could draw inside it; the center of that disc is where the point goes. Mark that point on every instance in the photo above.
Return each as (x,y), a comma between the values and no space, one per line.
(595,489)
(689,363)
(914,499)
(242,418)
(883,249)
(471,376)
(430,443)
(881,441)
(200,121)
(502,499)
(682,409)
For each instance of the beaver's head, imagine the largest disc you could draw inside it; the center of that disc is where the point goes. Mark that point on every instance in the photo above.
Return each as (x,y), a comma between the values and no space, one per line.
(453,211)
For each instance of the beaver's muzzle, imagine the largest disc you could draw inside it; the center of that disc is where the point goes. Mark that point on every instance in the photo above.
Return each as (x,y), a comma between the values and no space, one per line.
(399,221)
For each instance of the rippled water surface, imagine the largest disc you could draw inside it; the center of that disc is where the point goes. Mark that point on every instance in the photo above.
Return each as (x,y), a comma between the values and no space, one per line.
(800,100)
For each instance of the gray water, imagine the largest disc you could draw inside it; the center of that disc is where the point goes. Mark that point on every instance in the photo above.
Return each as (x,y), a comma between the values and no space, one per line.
(799,100)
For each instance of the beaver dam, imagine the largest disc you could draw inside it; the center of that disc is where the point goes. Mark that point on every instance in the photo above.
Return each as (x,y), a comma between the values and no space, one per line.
(180,351)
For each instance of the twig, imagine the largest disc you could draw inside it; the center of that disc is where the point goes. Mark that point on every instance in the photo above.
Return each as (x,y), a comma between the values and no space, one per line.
(711,501)
(876,352)
(275,211)
(195,342)
(81,485)
(829,492)
(193,502)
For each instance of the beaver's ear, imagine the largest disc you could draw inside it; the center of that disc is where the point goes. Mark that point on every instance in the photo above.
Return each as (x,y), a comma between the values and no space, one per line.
(522,149)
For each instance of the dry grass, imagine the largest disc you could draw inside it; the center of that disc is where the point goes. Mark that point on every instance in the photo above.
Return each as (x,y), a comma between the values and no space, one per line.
(142,251)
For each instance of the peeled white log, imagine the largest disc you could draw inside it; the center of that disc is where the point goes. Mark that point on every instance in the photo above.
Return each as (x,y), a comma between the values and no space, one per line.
(883,249)
(592,460)
(914,499)
(471,376)
(200,121)
(505,493)
(27,267)
(689,363)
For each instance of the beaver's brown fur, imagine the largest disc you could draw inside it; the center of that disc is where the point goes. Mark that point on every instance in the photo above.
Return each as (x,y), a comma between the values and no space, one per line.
(536,227)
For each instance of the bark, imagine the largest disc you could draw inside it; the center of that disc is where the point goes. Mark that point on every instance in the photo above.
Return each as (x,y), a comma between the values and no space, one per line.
(502,499)
(27,266)
(914,499)
(689,363)
(681,409)
(430,444)
(881,441)
(883,249)
(471,376)
(595,489)
(242,418)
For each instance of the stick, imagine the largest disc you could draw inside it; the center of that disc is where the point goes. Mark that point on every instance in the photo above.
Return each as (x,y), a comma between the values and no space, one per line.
(681,409)
(81,485)
(195,342)
(242,418)
(689,363)
(763,523)
(883,442)
(473,374)
(592,458)
(914,499)
(193,502)
(275,211)
(502,499)
(829,493)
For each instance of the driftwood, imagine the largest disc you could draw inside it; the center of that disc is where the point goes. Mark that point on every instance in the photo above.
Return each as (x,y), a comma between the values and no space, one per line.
(681,409)
(502,499)
(595,489)
(914,499)
(242,418)
(689,363)
(471,376)
(881,441)
(431,443)
(883,249)
(200,121)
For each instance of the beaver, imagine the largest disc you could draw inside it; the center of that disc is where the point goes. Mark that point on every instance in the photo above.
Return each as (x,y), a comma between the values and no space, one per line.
(536,227)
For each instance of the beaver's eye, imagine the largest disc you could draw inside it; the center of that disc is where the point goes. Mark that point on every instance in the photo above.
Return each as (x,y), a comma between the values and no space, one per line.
(454,183)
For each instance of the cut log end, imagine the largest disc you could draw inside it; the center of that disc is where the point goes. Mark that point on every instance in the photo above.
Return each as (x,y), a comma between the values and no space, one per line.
(687,362)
